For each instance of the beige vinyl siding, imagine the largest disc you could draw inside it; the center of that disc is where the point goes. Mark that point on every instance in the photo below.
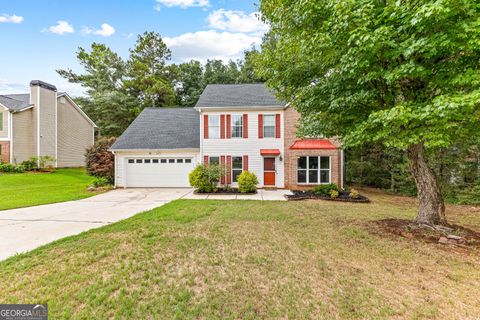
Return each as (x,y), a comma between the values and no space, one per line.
(4,123)
(24,135)
(47,122)
(75,135)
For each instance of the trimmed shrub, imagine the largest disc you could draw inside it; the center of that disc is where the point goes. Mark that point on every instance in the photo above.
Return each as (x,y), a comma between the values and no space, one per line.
(30,164)
(354,194)
(334,194)
(100,182)
(11,168)
(205,178)
(44,163)
(325,189)
(247,182)
(99,161)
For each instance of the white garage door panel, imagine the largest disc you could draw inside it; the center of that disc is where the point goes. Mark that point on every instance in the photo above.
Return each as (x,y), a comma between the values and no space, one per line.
(158,174)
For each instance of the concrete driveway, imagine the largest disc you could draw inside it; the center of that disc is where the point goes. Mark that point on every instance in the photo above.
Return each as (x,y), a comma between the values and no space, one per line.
(28,228)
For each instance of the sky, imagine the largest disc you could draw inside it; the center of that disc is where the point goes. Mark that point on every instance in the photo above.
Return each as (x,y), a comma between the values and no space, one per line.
(41,36)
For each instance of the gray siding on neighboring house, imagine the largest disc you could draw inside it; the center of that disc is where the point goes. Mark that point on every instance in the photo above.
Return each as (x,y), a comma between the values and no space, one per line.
(4,128)
(75,135)
(24,135)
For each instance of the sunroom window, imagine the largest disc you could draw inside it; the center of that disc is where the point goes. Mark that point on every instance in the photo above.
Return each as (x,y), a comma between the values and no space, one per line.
(313,170)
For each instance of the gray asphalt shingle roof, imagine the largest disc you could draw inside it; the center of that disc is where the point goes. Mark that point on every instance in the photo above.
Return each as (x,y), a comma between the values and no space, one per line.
(15,102)
(18,101)
(237,95)
(162,128)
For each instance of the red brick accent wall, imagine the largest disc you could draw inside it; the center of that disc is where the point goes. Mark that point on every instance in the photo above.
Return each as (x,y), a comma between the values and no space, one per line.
(5,148)
(292,118)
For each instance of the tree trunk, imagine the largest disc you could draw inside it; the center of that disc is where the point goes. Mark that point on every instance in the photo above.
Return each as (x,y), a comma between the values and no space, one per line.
(431,208)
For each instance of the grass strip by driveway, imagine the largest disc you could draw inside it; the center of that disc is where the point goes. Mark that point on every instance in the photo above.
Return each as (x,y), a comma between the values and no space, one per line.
(205,259)
(32,189)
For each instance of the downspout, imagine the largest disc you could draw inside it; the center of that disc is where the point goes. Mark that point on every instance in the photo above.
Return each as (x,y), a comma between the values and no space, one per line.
(342,166)
(10,134)
(114,169)
(202,126)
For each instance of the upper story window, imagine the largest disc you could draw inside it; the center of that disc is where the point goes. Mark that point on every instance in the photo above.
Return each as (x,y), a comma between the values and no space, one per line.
(237,126)
(269,126)
(214,126)
(1,121)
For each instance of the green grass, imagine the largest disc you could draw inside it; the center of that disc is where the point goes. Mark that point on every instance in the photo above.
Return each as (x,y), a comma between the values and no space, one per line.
(31,189)
(250,260)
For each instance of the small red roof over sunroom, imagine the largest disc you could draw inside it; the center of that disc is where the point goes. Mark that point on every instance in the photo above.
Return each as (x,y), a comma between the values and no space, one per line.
(316,144)
(269,152)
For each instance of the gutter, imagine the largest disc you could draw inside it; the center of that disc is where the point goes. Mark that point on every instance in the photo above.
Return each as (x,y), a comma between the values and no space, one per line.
(229,108)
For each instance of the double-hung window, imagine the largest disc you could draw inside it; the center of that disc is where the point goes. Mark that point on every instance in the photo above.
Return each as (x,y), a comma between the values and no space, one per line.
(313,170)
(214,126)
(214,160)
(237,167)
(269,126)
(1,122)
(237,126)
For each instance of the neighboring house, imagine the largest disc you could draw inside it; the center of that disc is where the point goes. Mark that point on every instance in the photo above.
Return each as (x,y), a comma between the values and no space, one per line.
(243,127)
(44,123)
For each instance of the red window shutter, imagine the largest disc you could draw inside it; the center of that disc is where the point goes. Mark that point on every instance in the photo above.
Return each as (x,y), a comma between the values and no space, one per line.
(277,126)
(205,126)
(245,125)
(245,163)
(229,169)
(260,126)
(205,159)
(222,165)
(222,126)
(229,126)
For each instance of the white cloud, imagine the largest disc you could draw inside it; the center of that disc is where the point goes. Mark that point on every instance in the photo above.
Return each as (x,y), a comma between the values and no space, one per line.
(105,30)
(62,27)
(236,21)
(10,87)
(6,18)
(181,3)
(203,45)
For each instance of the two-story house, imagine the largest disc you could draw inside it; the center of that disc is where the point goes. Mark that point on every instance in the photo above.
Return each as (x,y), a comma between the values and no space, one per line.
(44,122)
(242,127)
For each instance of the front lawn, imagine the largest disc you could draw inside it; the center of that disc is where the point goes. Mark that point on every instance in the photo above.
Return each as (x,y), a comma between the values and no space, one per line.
(31,189)
(202,259)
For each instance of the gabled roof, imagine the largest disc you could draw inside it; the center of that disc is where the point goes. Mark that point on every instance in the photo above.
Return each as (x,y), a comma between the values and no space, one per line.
(238,95)
(162,128)
(15,102)
(21,101)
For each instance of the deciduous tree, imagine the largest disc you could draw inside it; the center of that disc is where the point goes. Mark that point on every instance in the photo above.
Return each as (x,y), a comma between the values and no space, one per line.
(405,74)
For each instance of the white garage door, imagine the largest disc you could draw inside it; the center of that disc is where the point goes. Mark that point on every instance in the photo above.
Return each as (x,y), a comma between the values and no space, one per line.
(158,172)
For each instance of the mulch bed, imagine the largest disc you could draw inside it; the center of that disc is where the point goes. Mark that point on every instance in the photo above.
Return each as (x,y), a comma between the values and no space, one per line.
(452,236)
(308,194)
(224,191)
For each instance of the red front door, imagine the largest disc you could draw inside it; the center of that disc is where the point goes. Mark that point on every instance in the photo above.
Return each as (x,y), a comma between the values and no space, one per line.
(269,171)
